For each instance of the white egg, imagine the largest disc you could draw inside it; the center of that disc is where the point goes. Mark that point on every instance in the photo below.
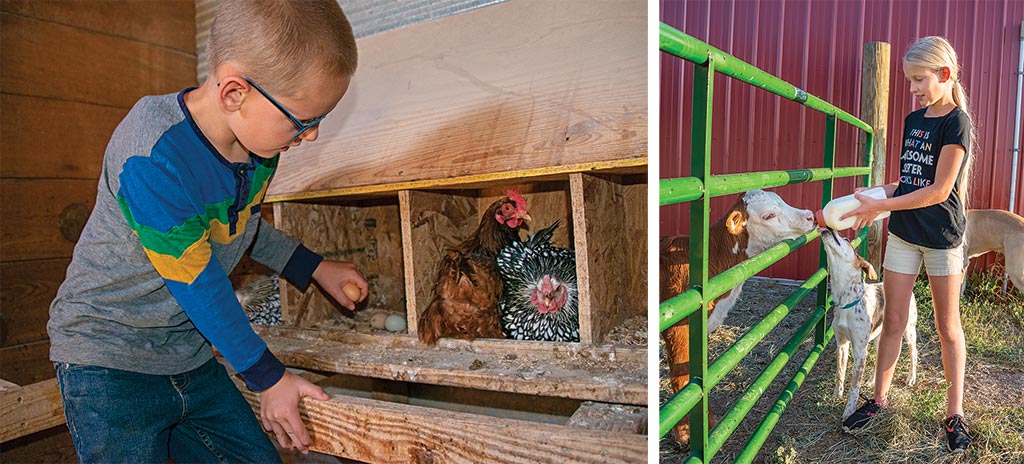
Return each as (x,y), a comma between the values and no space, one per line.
(377,321)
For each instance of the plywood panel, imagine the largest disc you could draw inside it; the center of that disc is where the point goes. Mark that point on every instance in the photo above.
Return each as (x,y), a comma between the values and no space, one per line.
(431,223)
(599,220)
(513,86)
(635,202)
(92,67)
(168,23)
(25,364)
(55,138)
(42,219)
(363,233)
(26,290)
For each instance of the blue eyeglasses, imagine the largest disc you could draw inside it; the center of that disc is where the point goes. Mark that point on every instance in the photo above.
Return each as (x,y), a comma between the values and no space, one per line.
(303,127)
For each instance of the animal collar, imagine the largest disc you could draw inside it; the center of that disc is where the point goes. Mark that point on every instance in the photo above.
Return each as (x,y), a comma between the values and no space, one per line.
(852,304)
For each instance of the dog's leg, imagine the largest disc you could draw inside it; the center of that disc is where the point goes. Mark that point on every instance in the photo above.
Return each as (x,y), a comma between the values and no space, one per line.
(842,352)
(911,336)
(860,352)
(1015,268)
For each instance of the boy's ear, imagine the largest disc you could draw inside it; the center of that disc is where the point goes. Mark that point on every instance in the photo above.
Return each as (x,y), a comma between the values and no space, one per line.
(231,92)
(865,266)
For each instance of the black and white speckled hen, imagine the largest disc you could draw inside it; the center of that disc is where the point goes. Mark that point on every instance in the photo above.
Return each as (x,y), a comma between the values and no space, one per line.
(540,299)
(261,300)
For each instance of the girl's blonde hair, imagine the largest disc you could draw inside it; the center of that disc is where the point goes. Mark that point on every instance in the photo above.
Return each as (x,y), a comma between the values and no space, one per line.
(279,43)
(935,53)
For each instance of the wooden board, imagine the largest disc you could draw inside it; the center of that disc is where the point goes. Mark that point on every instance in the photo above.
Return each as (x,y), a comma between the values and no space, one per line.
(167,23)
(431,223)
(30,409)
(364,233)
(612,417)
(92,67)
(54,138)
(43,218)
(53,446)
(26,290)
(378,431)
(598,218)
(565,370)
(26,364)
(5,386)
(513,86)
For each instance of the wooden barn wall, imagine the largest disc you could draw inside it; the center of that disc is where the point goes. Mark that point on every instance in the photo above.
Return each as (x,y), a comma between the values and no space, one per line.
(818,46)
(69,72)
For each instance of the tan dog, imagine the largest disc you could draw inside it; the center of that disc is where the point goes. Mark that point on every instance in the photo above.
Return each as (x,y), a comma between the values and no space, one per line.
(1000,231)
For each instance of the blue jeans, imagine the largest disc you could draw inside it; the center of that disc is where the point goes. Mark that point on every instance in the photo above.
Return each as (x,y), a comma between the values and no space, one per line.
(197,416)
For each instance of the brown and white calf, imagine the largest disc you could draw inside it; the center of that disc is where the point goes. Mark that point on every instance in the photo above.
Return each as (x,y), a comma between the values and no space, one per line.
(757,221)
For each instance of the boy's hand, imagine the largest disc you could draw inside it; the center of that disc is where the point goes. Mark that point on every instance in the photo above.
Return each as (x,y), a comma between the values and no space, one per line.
(279,410)
(332,277)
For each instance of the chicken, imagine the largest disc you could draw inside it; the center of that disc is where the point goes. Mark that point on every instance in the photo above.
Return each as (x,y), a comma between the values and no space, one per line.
(465,303)
(541,300)
(261,300)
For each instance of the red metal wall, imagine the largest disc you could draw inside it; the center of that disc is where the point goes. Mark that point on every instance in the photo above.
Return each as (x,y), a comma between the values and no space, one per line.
(817,46)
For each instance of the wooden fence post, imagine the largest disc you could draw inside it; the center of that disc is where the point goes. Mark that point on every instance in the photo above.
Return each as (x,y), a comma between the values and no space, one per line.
(874,110)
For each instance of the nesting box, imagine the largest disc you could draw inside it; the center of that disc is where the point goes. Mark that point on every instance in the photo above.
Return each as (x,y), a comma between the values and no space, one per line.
(440,120)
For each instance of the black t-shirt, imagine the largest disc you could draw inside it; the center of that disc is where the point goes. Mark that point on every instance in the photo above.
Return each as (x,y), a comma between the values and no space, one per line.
(940,226)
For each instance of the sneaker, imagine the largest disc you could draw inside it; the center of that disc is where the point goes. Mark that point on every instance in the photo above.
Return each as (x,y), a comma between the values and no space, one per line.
(862,416)
(958,436)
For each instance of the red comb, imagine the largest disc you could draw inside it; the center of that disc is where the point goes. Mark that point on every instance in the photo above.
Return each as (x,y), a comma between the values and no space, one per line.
(514,195)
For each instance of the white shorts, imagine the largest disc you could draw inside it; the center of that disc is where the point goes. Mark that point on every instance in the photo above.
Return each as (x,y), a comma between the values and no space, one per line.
(906,258)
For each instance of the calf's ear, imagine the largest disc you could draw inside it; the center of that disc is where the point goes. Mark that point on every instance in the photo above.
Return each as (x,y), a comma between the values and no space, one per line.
(735,222)
(865,266)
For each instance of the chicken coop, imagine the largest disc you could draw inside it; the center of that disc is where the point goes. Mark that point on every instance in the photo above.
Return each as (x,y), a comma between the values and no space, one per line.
(442,117)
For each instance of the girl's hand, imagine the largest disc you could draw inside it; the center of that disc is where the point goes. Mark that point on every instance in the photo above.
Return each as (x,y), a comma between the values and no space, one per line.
(279,410)
(866,213)
(332,277)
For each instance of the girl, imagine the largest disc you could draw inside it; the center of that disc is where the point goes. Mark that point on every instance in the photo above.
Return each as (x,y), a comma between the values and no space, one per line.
(928,222)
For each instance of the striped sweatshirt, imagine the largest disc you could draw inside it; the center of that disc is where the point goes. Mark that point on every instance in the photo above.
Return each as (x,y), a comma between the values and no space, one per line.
(147,289)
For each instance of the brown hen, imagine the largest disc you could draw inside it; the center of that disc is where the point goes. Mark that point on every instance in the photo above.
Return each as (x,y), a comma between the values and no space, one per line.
(468,288)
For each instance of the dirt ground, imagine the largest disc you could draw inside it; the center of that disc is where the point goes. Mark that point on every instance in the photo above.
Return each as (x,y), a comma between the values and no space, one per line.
(809,430)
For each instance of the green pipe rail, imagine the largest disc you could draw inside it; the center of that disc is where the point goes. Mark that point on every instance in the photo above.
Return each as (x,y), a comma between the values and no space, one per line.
(692,304)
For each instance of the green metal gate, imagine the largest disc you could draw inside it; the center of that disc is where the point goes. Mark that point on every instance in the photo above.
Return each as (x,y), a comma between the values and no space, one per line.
(693,303)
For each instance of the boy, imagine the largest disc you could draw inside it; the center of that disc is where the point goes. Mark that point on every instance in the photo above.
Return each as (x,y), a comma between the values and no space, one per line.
(178,203)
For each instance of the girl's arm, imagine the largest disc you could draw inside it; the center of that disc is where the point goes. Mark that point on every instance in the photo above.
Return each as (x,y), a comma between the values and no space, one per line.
(945,177)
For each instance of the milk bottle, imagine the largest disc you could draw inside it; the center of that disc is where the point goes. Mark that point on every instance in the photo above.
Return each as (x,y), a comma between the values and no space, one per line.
(829,216)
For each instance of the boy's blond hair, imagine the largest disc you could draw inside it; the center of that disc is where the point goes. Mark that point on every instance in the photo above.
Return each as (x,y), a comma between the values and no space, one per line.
(280,43)
(934,53)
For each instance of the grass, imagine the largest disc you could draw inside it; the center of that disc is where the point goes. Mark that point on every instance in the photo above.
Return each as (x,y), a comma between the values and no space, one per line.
(909,432)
